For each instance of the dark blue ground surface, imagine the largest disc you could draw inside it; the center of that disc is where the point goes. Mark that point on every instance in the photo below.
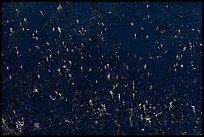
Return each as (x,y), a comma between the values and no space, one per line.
(101,68)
